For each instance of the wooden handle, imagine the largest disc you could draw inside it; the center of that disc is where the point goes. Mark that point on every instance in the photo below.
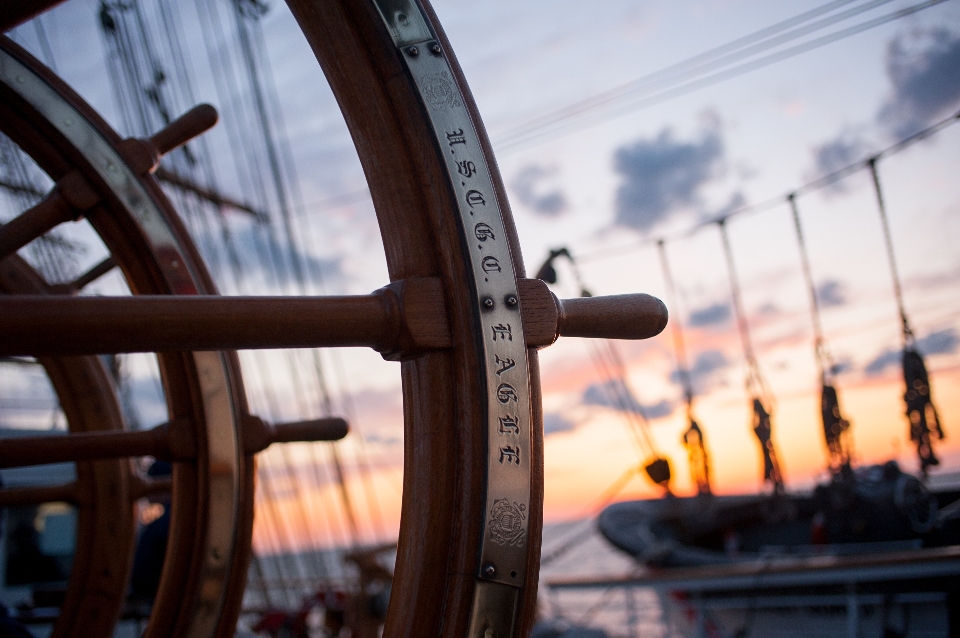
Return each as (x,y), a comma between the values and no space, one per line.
(636,316)
(329,429)
(194,122)
(258,435)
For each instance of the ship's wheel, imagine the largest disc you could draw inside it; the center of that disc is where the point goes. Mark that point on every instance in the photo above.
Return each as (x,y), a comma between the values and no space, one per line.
(459,315)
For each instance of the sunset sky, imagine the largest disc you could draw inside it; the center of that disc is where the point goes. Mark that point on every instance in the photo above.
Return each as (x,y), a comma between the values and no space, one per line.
(652,159)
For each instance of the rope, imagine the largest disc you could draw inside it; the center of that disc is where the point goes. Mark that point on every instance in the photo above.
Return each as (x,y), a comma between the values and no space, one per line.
(754,380)
(908,338)
(824,360)
(683,368)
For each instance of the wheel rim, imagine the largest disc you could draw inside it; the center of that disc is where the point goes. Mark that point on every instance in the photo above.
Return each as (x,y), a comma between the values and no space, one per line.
(463,566)
(211,513)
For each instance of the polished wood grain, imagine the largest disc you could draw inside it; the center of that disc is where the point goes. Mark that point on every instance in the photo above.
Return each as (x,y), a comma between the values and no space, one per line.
(404,319)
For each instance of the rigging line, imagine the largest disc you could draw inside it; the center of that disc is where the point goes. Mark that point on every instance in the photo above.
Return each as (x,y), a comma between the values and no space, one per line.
(41,32)
(628,403)
(276,156)
(824,360)
(683,366)
(697,65)
(754,380)
(891,257)
(722,75)
(273,159)
(617,403)
(774,202)
(589,513)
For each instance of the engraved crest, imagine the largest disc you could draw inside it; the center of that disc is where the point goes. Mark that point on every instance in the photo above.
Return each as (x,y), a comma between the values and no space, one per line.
(506,522)
(438,91)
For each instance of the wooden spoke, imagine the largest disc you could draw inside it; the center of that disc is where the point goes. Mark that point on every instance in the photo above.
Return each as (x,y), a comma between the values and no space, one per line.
(70,492)
(143,155)
(212,196)
(172,441)
(401,320)
(258,434)
(86,278)
(66,202)
(141,487)
(22,496)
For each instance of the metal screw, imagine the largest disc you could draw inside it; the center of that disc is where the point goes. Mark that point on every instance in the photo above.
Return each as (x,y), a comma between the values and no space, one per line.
(487,302)
(435,48)
(511,300)
(489,571)
(413,52)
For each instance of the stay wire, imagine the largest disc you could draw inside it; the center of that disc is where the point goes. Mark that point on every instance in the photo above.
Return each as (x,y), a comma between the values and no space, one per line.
(754,380)
(703,81)
(697,65)
(908,338)
(824,360)
(683,367)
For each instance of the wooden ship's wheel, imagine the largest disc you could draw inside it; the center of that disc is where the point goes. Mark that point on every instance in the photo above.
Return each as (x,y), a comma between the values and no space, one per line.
(459,314)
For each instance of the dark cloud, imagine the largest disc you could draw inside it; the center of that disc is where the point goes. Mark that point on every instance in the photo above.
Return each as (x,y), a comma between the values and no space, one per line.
(663,174)
(615,394)
(924,70)
(554,423)
(831,293)
(704,369)
(526,186)
(713,315)
(940,342)
(845,150)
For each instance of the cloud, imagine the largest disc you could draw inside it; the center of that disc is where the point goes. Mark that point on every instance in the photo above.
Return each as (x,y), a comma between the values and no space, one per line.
(554,423)
(615,394)
(704,369)
(924,70)
(663,174)
(840,152)
(526,187)
(832,293)
(713,315)
(940,342)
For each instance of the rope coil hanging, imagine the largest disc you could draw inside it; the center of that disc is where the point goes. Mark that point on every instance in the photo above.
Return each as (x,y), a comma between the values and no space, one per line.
(693,438)
(835,426)
(761,398)
(922,414)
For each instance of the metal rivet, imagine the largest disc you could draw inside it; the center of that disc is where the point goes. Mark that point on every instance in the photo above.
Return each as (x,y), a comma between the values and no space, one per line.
(402,18)
(487,302)
(513,574)
(68,121)
(21,79)
(435,48)
(413,52)
(489,571)
(511,300)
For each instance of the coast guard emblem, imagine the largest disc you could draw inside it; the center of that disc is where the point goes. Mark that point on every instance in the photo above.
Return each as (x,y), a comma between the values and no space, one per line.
(506,523)
(438,91)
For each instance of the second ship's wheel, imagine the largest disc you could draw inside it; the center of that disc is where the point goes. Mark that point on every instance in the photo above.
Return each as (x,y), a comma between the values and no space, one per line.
(459,315)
